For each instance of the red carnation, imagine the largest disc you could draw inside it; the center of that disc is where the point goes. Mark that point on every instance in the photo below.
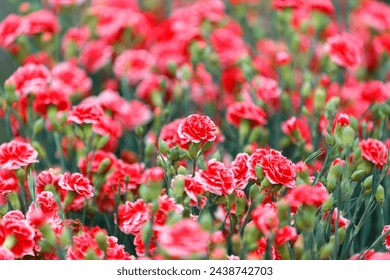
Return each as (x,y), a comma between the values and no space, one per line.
(374,151)
(76,182)
(85,113)
(184,239)
(15,154)
(52,97)
(132,216)
(277,168)
(344,50)
(265,218)
(196,128)
(216,178)
(245,111)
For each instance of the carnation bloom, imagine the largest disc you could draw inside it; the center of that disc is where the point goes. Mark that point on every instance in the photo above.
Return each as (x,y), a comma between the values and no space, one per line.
(277,168)
(284,4)
(216,178)
(6,254)
(245,111)
(387,236)
(266,219)
(30,78)
(50,98)
(374,151)
(134,65)
(14,224)
(85,114)
(196,128)
(8,182)
(71,79)
(95,55)
(306,195)
(340,121)
(82,244)
(132,216)
(16,154)
(344,50)
(76,182)
(170,135)
(59,3)
(297,129)
(133,114)
(184,239)
(42,21)
(10,28)
(240,170)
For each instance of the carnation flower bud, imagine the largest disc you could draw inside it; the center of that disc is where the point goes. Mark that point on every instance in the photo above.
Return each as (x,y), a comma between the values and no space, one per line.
(380,195)
(259,172)
(14,200)
(251,236)
(299,247)
(104,165)
(336,170)
(342,120)
(178,186)
(306,220)
(237,244)
(244,130)
(367,184)
(206,221)
(342,232)
(306,89)
(332,105)
(90,255)
(358,175)
(182,170)
(66,237)
(366,166)
(265,183)
(330,139)
(146,232)
(331,183)
(240,206)
(38,126)
(21,175)
(319,98)
(37,146)
(103,141)
(283,211)
(48,234)
(326,251)
(9,242)
(101,239)
(348,136)
(328,204)
(172,67)
(70,196)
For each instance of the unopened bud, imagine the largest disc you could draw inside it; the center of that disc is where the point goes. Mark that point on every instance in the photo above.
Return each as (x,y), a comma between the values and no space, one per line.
(104,165)
(163,146)
(319,98)
(330,139)
(101,239)
(348,135)
(358,175)
(331,184)
(103,141)
(380,195)
(206,221)
(39,125)
(178,186)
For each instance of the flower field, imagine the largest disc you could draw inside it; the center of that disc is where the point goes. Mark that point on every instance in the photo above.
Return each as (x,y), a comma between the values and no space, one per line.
(209,129)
